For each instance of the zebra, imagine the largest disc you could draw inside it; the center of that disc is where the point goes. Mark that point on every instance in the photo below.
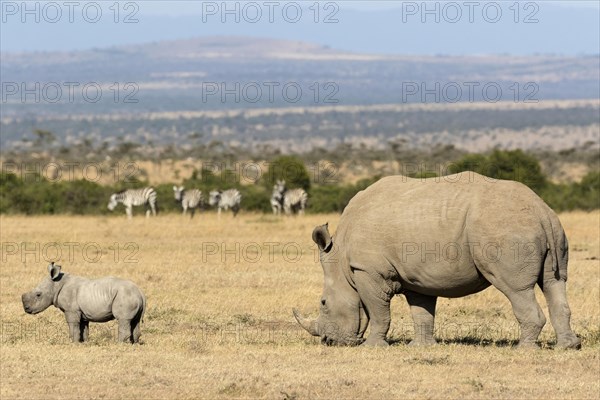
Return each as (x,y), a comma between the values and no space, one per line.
(188,198)
(292,201)
(134,197)
(277,197)
(227,199)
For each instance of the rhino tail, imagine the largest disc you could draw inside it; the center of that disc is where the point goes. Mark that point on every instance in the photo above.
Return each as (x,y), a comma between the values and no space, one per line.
(143,308)
(557,257)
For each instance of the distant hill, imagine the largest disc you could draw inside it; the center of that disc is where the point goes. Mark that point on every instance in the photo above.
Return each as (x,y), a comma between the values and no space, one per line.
(296,96)
(240,72)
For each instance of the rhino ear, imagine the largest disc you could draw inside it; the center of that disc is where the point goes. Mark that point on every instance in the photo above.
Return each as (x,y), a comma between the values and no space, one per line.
(54,270)
(322,237)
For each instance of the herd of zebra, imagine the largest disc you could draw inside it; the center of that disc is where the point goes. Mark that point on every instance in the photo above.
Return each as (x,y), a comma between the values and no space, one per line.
(290,201)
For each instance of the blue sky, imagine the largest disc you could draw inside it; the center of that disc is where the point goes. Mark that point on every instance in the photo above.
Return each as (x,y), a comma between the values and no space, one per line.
(176,7)
(382,27)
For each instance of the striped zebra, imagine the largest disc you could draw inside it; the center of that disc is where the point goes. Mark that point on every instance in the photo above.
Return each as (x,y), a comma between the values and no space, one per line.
(227,199)
(277,197)
(134,197)
(191,199)
(292,201)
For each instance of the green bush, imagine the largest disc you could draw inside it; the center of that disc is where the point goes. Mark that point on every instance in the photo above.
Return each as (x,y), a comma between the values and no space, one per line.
(10,184)
(165,198)
(325,199)
(583,195)
(255,198)
(36,195)
(514,165)
(289,168)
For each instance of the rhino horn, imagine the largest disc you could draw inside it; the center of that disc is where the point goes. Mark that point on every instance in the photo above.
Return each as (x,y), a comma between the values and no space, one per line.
(309,325)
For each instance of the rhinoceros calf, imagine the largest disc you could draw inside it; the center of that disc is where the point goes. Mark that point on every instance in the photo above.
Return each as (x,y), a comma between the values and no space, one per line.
(84,300)
(440,237)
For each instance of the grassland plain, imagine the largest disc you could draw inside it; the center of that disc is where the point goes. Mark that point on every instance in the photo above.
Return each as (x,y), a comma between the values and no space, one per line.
(219,321)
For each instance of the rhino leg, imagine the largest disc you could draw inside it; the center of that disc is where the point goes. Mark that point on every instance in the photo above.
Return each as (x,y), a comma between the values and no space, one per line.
(377,306)
(137,332)
(560,314)
(74,323)
(422,309)
(516,275)
(85,330)
(136,323)
(529,314)
(527,311)
(125,331)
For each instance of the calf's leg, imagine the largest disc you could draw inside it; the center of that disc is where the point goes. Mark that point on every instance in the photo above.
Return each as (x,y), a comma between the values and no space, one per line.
(125,331)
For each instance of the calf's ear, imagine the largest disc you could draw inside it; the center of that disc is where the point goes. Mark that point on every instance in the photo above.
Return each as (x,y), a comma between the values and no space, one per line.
(54,270)
(322,237)
(174,188)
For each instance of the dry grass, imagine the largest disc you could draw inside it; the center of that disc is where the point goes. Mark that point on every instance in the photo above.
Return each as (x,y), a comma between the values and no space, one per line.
(222,328)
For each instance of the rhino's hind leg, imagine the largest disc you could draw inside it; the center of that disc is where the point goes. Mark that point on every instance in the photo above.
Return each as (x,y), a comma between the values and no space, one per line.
(525,307)
(136,325)
(125,331)
(85,330)
(528,313)
(515,275)
(560,314)
(422,309)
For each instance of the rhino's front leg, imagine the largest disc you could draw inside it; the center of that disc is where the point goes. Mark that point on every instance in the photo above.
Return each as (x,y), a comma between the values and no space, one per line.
(74,322)
(377,305)
(422,309)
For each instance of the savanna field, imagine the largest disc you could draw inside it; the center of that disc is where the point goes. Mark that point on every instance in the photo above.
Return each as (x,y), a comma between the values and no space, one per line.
(219,323)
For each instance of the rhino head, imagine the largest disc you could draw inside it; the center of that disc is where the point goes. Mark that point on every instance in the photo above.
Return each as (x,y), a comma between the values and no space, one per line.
(42,296)
(342,319)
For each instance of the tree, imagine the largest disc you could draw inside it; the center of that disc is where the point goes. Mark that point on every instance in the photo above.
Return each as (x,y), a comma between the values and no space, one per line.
(289,168)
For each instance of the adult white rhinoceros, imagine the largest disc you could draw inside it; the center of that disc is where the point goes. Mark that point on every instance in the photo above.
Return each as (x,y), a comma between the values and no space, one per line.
(450,237)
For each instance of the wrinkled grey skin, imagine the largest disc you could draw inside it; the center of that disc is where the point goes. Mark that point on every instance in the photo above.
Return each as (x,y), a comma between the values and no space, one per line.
(83,300)
(440,237)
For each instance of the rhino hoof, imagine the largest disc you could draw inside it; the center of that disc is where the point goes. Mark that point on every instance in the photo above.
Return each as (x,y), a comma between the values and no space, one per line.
(528,345)
(571,343)
(419,343)
(375,343)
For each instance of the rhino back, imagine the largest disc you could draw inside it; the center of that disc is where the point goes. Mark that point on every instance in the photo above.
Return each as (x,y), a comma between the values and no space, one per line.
(425,228)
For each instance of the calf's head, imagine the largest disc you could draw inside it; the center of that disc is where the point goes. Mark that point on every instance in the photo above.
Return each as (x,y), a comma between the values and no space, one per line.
(342,319)
(42,296)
